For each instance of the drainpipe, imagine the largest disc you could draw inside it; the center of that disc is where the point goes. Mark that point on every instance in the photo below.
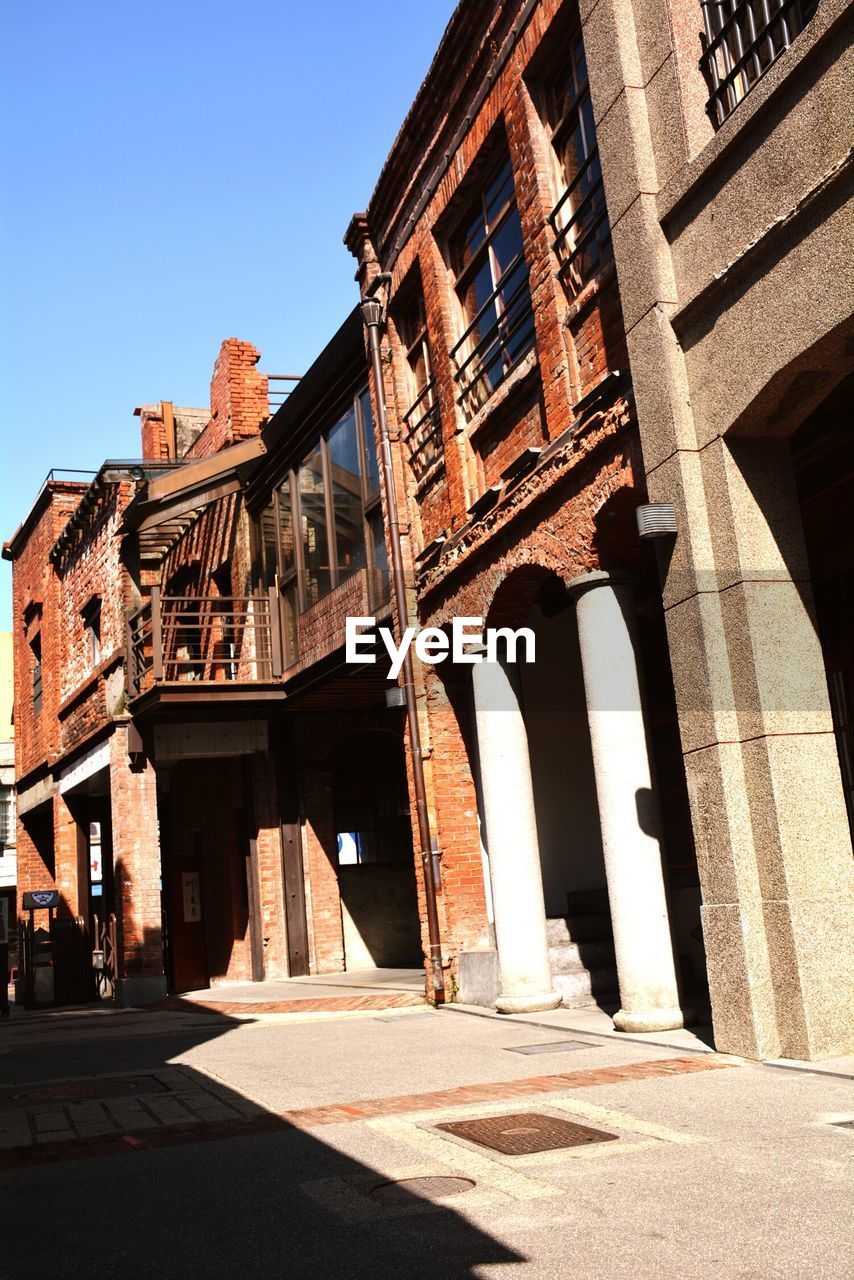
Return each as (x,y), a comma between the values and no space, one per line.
(373,315)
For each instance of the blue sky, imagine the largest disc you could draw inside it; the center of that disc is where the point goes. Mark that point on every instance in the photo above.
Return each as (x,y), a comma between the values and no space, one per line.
(174,174)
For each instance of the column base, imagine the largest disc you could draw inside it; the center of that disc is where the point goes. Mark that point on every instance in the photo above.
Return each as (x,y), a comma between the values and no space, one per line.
(649,1020)
(528,1004)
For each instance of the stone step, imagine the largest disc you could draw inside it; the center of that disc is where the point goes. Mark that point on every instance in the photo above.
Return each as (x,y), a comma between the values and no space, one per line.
(567,957)
(587,987)
(561,930)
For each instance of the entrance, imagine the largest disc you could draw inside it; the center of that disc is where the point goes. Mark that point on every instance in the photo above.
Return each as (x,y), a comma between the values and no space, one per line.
(823,456)
(376,870)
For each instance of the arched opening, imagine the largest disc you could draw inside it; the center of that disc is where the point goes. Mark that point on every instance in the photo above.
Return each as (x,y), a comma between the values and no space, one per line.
(823,457)
(376,869)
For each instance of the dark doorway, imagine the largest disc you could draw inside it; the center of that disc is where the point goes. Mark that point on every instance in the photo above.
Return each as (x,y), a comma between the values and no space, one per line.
(376,869)
(823,457)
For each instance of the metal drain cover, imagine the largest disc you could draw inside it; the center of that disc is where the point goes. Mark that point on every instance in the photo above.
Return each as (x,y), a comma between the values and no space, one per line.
(525,1133)
(80,1090)
(426,1188)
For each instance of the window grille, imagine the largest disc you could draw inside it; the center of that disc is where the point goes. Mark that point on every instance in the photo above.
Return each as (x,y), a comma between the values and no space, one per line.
(741,40)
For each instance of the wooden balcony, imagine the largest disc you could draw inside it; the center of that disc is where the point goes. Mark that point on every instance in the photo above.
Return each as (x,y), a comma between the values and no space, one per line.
(227,648)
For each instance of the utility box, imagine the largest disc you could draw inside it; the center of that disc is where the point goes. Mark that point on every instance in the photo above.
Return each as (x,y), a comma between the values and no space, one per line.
(43,974)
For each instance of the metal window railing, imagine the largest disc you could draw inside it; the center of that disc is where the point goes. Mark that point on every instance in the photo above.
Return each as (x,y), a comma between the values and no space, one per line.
(423,432)
(508,337)
(580,223)
(741,40)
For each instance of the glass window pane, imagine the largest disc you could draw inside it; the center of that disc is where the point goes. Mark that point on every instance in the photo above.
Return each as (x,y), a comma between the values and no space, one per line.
(267,543)
(318,577)
(372,471)
(286,528)
(377,532)
(498,193)
(290,612)
(346,482)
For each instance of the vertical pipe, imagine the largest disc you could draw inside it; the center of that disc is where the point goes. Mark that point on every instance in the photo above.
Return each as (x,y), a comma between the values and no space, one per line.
(372,315)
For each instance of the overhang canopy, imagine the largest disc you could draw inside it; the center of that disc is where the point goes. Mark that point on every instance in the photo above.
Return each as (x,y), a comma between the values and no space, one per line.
(166,507)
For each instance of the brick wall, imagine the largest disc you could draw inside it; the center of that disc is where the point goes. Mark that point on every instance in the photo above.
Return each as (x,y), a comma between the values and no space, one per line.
(546,523)
(239,403)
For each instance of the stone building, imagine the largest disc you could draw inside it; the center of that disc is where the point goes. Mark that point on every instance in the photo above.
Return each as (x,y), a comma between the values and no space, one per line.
(606,259)
(611,237)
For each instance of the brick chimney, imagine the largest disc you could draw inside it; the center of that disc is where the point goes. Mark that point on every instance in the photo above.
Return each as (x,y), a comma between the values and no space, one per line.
(239,404)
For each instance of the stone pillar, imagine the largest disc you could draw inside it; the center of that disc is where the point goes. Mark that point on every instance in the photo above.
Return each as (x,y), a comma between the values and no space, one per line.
(511,838)
(649,1000)
(136,863)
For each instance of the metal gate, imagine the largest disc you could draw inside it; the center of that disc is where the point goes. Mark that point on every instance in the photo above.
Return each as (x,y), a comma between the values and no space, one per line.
(55,964)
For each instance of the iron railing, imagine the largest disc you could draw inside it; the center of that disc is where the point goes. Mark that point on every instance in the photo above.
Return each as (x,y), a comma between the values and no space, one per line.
(279,387)
(204,638)
(580,223)
(741,40)
(485,358)
(423,432)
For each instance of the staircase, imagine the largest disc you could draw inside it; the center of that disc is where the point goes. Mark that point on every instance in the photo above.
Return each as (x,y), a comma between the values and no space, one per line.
(581,951)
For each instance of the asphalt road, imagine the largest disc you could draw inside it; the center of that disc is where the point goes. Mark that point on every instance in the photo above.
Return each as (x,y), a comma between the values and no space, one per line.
(733,1172)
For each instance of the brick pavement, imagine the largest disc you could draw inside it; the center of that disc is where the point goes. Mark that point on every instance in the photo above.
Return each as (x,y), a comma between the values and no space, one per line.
(323,1004)
(193,1108)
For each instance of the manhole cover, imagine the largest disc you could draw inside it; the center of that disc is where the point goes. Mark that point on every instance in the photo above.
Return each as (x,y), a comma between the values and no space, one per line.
(525,1133)
(553,1046)
(79,1090)
(427,1188)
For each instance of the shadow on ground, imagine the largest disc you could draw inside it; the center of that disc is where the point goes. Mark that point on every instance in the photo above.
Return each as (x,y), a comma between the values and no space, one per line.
(248,1196)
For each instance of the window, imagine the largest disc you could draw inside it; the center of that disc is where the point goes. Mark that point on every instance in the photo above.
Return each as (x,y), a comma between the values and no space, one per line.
(422,424)
(7,817)
(92,631)
(314,527)
(742,39)
(491,283)
(580,217)
(324,522)
(36,651)
(370,801)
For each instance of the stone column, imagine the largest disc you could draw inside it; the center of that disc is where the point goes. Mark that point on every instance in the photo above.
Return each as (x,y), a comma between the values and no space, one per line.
(628,813)
(511,839)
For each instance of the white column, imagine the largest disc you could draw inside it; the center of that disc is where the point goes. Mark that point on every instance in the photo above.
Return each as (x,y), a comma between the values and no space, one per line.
(511,841)
(628,812)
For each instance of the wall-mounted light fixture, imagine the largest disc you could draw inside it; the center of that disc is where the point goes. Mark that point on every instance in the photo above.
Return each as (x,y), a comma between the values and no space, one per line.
(657,520)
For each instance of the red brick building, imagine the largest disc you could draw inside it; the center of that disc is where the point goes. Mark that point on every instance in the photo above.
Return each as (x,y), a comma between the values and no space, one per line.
(651,814)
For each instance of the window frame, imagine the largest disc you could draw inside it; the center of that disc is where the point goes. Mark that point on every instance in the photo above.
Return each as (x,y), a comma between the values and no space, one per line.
(423,433)
(296,575)
(91,615)
(558,127)
(37,672)
(463,353)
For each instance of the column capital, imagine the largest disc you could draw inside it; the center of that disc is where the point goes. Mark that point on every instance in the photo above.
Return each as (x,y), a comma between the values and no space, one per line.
(600,578)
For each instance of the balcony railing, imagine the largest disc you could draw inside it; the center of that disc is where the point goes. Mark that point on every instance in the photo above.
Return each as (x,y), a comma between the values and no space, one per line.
(580,223)
(423,433)
(484,358)
(742,39)
(279,387)
(203,638)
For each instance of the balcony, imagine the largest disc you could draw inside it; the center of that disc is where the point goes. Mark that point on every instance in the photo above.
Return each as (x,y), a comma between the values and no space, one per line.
(742,39)
(219,644)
